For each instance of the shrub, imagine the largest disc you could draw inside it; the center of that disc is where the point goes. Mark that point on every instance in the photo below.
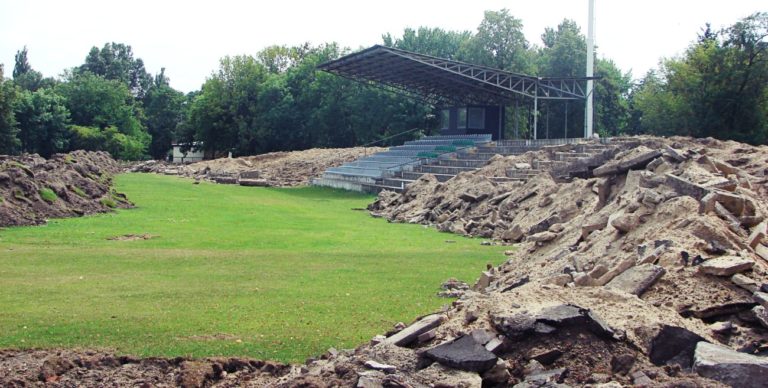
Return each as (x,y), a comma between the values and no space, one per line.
(48,195)
(119,145)
(79,191)
(108,202)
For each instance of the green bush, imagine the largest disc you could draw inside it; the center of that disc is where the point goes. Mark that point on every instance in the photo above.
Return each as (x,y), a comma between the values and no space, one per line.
(119,145)
(108,202)
(79,191)
(48,195)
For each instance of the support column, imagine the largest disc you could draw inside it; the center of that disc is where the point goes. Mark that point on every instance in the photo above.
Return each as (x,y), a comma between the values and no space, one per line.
(536,112)
(590,69)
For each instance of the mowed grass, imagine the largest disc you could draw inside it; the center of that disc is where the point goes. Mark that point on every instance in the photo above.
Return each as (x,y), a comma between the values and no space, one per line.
(281,274)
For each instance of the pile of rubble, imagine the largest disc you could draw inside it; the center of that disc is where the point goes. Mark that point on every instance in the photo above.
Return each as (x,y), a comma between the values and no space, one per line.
(278,169)
(659,259)
(33,189)
(649,270)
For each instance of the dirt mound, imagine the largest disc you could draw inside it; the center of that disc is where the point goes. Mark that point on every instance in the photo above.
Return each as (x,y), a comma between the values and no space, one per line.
(69,368)
(279,169)
(33,189)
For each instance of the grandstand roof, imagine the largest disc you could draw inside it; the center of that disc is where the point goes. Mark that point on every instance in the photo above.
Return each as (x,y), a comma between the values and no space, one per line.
(444,80)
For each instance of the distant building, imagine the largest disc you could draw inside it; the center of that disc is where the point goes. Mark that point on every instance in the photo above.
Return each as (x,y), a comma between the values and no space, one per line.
(195,154)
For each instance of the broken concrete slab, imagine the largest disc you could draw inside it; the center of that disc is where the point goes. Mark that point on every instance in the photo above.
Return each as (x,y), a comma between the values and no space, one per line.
(762,251)
(254,182)
(412,332)
(485,280)
(685,187)
(633,161)
(568,315)
(726,265)
(543,237)
(758,234)
(463,353)
(761,314)
(673,345)
(761,298)
(625,223)
(721,309)
(729,366)
(594,225)
(745,282)
(615,271)
(375,365)
(637,279)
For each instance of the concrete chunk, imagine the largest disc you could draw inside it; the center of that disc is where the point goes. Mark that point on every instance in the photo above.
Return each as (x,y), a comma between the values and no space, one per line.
(761,297)
(761,314)
(726,265)
(412,332)
(745,282)
(729,366)
(757,235)
(464,353)
(637,279)
(685,187)
(375,365)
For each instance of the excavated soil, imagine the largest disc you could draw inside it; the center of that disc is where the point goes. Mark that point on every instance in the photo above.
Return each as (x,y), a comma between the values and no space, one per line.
(278,169)
(617,276)
(33,189)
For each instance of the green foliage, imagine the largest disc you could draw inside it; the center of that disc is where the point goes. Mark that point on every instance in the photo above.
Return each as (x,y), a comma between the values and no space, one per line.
(431,41)
(79,191)
(500,43)
(119,145)
(164,110)
(23,74)
(288,272)
(115,61)
(95,101)
(43,119)
(9,141)
(717,88)
(48,195)
(108,202)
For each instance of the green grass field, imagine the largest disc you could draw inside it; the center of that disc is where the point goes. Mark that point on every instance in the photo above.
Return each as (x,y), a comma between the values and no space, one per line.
(280,274)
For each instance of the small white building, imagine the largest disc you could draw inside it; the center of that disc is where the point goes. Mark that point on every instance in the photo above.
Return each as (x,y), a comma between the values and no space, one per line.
(195,154)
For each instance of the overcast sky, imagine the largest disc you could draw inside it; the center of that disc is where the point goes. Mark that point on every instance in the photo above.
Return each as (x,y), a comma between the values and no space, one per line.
(189,37)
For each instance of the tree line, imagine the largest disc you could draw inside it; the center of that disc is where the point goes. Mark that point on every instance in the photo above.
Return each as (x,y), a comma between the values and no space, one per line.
(277,100)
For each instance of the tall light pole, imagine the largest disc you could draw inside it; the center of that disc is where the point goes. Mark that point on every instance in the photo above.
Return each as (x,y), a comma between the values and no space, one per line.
(590,69)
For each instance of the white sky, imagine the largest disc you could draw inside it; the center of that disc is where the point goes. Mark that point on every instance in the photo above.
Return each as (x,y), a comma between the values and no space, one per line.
(189,37)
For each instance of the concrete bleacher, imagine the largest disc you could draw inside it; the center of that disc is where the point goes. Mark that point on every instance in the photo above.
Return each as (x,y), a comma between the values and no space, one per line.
(444,157)
(378,171)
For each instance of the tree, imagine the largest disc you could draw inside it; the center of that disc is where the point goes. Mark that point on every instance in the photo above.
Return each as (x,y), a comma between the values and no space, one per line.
(97,102)
(9,141)
(23,74)
(431,41)
(164,109)
(717,88)
(115,61)
(43,119)
(500,43)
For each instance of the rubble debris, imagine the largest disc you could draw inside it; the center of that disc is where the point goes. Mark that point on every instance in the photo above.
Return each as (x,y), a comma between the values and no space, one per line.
(33,189)
(726,265)
(463,353)
(274,169)
(637,306)
(673,345)
(729,366)
(412,332)
(637,279)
